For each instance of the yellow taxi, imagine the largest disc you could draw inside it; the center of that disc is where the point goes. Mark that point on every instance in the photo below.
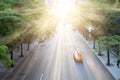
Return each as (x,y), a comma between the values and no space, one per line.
(77,56)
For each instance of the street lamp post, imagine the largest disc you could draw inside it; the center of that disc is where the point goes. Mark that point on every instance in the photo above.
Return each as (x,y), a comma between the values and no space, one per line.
(94,39)
(90,30)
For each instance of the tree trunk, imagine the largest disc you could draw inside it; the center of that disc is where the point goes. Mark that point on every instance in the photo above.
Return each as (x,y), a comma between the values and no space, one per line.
(28,47)
(99,47)
(118,50)
(86,35)
(21,51)
(11,54)
(94,42)
(108,57)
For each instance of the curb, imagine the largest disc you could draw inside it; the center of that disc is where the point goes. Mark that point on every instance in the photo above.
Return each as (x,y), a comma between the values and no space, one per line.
(97,56)
(19,62)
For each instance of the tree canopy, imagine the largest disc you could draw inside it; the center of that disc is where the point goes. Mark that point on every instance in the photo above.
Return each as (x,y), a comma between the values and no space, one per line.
(10,21)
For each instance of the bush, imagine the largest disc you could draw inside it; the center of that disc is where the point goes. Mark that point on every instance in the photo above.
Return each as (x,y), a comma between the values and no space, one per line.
(4,57)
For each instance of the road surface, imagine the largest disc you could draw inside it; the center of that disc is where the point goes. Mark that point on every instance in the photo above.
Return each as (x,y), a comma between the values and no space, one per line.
(53,60)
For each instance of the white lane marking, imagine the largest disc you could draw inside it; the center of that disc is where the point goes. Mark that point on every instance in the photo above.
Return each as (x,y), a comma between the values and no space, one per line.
(41,76)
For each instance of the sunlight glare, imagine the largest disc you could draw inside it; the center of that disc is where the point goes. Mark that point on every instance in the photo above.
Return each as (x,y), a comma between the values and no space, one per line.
(63,8)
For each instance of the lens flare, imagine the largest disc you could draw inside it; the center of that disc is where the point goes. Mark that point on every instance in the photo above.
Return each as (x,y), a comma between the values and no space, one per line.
(62,8)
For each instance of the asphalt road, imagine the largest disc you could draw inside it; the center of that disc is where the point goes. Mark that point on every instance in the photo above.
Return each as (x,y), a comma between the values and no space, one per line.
(53,60)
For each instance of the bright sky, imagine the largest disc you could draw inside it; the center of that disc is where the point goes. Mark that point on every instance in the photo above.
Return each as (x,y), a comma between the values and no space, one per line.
(61,8)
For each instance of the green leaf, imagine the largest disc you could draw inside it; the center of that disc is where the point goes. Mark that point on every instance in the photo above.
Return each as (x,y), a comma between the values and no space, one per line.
(4,57)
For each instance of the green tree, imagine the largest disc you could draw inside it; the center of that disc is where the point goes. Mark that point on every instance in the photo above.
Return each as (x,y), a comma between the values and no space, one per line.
(108,41)
(4,57)
(111,26)
(10,21)
(117,3)
(4,6)
(29,38)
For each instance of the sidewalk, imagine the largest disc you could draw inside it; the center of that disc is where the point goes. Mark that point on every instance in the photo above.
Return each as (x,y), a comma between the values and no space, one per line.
(17,59)
(113,69)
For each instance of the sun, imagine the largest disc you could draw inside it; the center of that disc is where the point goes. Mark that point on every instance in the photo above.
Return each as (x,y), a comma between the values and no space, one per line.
(65,6)
(62,8)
